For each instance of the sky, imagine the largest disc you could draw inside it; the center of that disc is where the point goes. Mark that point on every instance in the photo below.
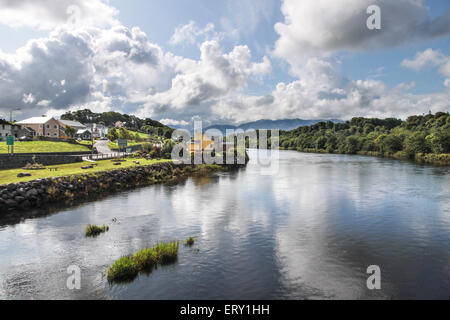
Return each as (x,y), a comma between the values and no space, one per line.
(228,61)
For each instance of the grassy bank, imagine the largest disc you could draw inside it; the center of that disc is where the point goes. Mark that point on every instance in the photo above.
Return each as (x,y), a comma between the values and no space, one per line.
(10,176)
(44,147)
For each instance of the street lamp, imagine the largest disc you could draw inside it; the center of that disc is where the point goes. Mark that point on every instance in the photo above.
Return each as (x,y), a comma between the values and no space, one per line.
(11,112)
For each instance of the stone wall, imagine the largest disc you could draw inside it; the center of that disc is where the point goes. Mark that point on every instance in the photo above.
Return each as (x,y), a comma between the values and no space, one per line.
(42,192)
(19,160)
(29,196)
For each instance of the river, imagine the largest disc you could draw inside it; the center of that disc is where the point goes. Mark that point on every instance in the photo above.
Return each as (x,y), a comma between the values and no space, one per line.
(309,231)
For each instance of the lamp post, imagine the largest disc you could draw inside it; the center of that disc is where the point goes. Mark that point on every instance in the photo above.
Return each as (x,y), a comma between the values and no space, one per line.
(11,112)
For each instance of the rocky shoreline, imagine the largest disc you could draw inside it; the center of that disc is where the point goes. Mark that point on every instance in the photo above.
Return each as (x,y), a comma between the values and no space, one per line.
(26,196)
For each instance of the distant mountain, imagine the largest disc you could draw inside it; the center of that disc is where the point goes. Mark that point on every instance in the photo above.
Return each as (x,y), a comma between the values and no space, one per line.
(286,124)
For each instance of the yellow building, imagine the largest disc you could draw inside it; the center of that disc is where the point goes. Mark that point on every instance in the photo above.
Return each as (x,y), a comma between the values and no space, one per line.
(201,143)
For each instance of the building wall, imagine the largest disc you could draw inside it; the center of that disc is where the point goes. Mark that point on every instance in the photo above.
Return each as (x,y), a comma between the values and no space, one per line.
(5,130)
(49,129)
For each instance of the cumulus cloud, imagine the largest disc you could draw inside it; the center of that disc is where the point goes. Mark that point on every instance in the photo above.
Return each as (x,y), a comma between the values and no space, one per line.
(48,14)
(119,69)
(215,75)
(190,32)
(429,58)
(327,94)
(322,27)
(103,65)
(83,67)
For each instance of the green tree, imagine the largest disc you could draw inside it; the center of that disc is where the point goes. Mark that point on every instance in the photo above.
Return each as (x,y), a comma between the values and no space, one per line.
(112,135)
(417,143)
(69,131)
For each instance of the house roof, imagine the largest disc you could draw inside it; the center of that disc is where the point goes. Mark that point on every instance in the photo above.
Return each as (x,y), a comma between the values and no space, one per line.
(35,120)
(81,131)
(74,124)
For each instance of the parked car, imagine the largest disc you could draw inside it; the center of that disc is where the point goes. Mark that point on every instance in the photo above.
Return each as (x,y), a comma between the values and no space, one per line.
(25,138)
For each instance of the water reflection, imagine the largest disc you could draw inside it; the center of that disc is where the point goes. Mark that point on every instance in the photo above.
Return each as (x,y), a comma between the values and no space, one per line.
(310,231)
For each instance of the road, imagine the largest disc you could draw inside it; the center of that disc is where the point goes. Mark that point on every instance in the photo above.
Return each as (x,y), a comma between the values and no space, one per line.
(102,147)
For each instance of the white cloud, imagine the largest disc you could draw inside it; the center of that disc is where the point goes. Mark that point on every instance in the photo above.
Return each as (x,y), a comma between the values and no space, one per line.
(447,83)
(190,32)
(324,93)
(430,58)
(107,66)
(426,58)
(323,27)
(83,67)
(172,122)
(48,14)
(215,75)
(120,69)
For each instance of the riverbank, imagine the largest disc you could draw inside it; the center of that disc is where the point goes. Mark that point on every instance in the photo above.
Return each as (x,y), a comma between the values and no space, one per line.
(72,189)
(422,158)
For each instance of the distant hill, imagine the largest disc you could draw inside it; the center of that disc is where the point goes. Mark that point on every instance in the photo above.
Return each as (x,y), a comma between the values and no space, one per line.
(285,124)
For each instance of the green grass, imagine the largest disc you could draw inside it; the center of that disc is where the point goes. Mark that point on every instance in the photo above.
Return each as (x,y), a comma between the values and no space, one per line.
(43,147)
(10,176)
(127,268)
(115,146)
(93,230)
(123,270)
(141,135)
(85,142)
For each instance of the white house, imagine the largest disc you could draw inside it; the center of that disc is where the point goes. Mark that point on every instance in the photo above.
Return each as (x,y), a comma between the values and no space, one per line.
(84,134)
(98,130)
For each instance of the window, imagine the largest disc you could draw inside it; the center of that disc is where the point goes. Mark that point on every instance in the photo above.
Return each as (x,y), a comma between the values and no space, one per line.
(48,134)
(41,126)
(48,126)
(3,126)
(55,134)
(56,127)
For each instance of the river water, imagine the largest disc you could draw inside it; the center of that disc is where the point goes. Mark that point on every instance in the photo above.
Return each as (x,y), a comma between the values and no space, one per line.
(308,231)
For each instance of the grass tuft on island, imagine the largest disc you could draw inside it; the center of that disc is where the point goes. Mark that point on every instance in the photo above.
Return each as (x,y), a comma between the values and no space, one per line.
(189,241)
(127,268)
(124,269)
(93,231)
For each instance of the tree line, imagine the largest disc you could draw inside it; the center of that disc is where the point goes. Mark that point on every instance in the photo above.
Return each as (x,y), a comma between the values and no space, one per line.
(130,122)
(418,135)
